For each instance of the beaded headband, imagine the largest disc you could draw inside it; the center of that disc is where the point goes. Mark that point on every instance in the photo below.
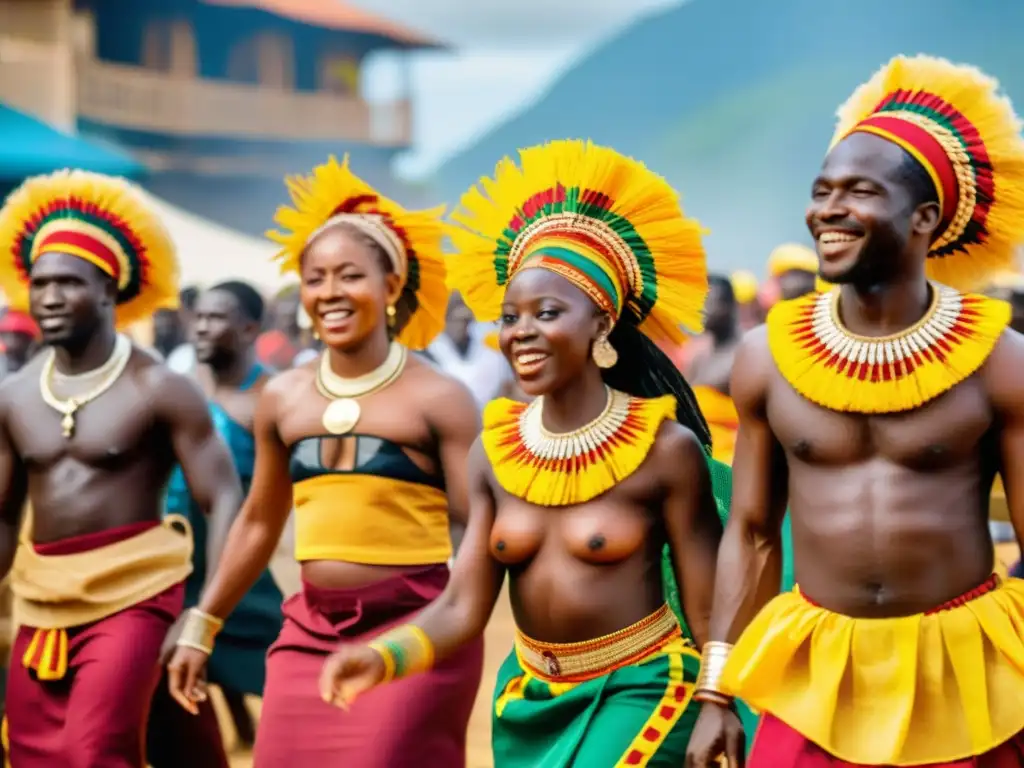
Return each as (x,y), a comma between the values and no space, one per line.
(99,219)
(601,220)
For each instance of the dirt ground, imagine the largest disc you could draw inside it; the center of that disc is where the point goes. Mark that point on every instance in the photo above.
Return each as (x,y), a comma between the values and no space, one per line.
(498,641)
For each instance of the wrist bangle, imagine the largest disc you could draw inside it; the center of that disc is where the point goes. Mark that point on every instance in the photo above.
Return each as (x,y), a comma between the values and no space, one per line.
(406,650)
(199,631)
(713,659)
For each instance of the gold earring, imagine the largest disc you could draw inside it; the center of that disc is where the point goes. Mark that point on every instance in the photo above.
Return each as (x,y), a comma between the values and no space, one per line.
(316,335)
(391,313)
(604,353)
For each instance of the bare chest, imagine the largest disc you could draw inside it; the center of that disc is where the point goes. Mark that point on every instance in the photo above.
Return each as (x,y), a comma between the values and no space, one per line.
(609,528)
(114,429)
(935,436)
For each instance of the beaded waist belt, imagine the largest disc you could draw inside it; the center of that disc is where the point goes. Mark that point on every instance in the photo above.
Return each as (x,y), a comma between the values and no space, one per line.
(576,662)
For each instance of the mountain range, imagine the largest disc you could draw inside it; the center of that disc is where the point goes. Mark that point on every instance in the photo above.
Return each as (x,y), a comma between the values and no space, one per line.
(734,100)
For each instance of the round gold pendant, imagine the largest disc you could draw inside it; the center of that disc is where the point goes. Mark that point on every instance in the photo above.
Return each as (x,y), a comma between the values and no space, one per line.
(341,416)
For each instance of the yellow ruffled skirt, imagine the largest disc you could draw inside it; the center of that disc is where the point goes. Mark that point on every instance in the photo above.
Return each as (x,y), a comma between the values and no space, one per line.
(930,688)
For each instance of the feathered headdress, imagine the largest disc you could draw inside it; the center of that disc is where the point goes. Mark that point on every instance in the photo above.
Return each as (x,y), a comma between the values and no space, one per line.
(411,239)
(955,122)
(601,220)
(100,219)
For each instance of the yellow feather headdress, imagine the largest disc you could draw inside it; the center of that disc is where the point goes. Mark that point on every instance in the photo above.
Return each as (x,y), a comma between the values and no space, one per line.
(600,219)
(411,239)
(101,219)
(954,121)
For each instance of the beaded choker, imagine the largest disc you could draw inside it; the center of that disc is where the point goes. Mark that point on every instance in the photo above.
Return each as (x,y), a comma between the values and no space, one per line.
(837,369)
(555,470)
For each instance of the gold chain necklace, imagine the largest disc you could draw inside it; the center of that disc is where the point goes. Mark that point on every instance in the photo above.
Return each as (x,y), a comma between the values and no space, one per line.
(106,374)
(548,445)
(342,414)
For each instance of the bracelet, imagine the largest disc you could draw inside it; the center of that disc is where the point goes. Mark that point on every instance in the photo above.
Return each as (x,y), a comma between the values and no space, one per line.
(710,697)
(713,659)
(200,630)
(405,650)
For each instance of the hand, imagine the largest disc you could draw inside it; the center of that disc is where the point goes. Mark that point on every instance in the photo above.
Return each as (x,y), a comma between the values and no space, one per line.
(186,677)
(717,732)
(348,672)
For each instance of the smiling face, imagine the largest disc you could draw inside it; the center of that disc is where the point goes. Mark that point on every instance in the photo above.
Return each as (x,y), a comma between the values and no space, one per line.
(870,215)
(346,288)
(548,327)
(69,298)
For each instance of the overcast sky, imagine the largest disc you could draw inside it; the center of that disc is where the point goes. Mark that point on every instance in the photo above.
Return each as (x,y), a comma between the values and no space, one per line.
(507,52)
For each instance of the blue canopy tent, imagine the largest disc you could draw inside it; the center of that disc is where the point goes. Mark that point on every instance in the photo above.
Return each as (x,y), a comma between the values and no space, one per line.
(29,147)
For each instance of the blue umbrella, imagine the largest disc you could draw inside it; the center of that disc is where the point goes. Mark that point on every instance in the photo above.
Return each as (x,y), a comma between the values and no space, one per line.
(31,147)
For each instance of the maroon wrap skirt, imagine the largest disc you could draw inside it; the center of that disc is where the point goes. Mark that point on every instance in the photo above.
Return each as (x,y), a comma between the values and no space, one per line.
(776,745)
(95,715)
(418,722)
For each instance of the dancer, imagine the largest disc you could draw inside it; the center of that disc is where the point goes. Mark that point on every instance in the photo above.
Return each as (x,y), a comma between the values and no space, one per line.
(587,258)
(225,325)
(709,371)
(89,433)
(371,445)
(883,410)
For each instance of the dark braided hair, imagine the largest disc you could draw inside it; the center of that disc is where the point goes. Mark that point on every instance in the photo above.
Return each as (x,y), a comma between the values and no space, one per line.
(643,370)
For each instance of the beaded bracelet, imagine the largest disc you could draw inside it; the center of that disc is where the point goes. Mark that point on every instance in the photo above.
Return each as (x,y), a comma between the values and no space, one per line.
(405,650)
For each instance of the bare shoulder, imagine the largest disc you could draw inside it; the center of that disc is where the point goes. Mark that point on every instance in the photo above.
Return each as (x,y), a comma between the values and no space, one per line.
(1001,373)
(479,466)
(752,369)
(676,452)
(166,390)
(438,393)
(19,389)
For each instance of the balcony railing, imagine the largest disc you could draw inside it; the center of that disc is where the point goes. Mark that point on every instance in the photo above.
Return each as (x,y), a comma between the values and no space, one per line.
(133,97)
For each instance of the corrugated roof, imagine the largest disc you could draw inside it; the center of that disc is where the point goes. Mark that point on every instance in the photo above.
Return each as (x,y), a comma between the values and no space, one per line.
(334,14)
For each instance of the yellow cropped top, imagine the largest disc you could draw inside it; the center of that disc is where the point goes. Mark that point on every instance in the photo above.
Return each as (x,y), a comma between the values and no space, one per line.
(383,511)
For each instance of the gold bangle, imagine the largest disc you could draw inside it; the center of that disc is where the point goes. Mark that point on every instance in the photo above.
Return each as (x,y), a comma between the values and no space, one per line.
(713,659)
(200,630)
(406,650)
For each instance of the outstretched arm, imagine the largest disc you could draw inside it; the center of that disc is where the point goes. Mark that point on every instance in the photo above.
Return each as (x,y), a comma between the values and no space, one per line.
(463,609)
(692,523)
(204,458)
(458,615)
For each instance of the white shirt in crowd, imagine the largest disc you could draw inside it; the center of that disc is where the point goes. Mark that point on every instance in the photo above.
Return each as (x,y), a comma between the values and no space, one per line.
(482,370)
